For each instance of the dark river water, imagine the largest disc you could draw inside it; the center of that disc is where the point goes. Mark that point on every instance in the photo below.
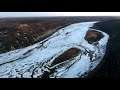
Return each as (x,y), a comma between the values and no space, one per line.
(110,67)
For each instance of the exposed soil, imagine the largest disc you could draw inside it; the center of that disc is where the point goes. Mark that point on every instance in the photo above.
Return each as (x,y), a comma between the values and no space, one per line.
(93,36)
(67,55)
(15,35)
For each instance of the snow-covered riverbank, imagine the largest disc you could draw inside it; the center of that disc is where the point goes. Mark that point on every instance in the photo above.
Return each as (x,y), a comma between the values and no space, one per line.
(36,59)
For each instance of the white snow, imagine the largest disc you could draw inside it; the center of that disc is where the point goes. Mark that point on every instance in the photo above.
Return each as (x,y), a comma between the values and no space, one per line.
(81,66)
(65,38)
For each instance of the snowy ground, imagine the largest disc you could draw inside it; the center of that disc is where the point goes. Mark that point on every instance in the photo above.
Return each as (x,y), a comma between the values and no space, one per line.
(34,61)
